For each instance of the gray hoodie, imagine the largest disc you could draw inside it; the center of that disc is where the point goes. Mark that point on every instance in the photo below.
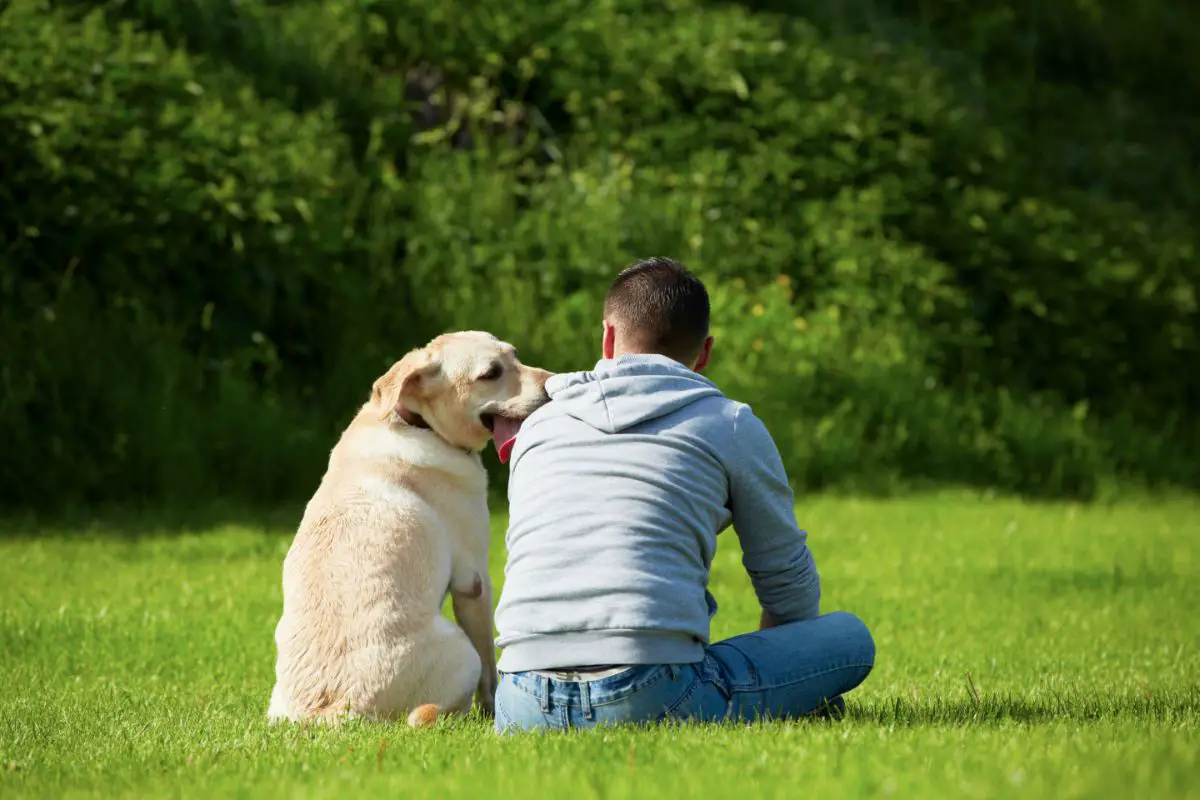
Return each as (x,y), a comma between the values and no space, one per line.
(617,491)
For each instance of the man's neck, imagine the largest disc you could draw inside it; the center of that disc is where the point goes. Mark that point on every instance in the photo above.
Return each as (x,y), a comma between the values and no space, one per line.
(617,354)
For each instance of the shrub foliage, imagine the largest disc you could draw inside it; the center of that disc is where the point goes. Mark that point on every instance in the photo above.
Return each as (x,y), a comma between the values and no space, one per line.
(221,221)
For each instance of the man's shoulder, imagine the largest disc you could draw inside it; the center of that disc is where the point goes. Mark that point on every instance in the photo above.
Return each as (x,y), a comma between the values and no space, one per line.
(563,380)
(547,412)
(733,411)
(747,431)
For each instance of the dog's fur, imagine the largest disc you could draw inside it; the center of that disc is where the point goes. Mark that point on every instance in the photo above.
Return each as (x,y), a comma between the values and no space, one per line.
(399,520)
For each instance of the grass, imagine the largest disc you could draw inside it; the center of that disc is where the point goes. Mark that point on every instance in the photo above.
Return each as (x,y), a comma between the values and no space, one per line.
(140,664)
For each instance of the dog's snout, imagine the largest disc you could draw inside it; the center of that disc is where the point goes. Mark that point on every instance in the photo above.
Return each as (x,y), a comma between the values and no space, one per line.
(537,376)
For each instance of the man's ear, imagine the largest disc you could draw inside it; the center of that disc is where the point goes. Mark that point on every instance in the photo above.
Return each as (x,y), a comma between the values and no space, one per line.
(405,379)
(705,354)
(608,341)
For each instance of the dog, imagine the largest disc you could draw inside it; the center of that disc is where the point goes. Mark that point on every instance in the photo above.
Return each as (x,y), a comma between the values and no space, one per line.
(399,521)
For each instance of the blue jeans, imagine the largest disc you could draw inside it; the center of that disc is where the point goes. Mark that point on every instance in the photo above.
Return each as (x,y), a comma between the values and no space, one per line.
(784,672)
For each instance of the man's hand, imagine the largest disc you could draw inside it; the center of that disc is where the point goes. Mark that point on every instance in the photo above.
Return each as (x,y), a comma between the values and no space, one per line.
(767,621)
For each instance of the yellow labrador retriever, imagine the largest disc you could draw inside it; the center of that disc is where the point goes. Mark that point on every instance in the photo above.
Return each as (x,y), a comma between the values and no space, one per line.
(399,520)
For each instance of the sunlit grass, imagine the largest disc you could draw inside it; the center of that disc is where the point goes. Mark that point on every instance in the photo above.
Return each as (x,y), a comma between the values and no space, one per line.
(1031,650)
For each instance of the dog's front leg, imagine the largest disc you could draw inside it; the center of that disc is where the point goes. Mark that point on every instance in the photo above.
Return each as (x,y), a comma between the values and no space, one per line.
(472,599)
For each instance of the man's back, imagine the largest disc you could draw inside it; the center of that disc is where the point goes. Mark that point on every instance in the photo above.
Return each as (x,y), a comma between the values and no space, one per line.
(618,489)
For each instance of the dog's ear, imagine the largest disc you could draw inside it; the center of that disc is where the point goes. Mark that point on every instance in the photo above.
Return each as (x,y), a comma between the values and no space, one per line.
(406,378)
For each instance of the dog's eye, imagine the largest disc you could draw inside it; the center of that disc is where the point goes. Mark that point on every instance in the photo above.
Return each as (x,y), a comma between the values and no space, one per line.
(493,372)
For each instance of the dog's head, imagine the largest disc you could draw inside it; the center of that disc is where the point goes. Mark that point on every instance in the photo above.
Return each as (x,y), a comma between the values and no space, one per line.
(464,386)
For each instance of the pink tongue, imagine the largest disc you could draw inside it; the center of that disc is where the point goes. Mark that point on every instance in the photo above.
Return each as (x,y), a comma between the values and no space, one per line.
(504,436)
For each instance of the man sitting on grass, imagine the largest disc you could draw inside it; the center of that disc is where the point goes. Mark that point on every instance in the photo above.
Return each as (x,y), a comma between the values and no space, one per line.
(618,489)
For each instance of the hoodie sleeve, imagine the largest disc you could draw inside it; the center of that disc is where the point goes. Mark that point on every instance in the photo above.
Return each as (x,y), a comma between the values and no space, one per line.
(775,550)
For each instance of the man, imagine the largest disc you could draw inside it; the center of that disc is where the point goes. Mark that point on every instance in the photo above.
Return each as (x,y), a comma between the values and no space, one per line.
(618,489)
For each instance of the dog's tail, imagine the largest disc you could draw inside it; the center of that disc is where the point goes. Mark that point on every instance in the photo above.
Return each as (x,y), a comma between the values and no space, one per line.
(424,715)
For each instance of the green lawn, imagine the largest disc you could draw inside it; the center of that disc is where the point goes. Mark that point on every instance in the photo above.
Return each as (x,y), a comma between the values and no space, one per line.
(142,664)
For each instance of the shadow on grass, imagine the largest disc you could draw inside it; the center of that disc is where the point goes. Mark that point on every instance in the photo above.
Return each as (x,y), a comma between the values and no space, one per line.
(1147,706)
(133,522)
(137,523)
(1062,581)
(159,520)
(896,713)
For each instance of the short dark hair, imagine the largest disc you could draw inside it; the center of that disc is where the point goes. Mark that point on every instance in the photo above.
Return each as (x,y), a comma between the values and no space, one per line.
(660,307)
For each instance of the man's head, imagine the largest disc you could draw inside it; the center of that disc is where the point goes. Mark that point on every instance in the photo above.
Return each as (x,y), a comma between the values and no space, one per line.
(657,306)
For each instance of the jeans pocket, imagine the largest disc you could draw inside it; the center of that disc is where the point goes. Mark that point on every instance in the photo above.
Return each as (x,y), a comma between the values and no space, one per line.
(501,722)
(519,706)
(707,698)
(641,695)
(711,673)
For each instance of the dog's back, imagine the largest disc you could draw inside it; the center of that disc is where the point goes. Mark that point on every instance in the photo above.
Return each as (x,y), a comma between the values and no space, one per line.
(368,570)
(400,520)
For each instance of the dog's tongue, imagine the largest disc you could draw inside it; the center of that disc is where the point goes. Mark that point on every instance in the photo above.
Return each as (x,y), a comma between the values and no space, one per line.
(504,435)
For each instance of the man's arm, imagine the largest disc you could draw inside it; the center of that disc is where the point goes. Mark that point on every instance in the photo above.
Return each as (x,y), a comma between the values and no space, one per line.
(774,549)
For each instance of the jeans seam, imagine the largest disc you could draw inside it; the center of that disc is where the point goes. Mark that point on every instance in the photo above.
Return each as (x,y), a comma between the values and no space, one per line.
(632,690)
(810,676)
(751,666)
(687,695)
(610,699)
(517,685)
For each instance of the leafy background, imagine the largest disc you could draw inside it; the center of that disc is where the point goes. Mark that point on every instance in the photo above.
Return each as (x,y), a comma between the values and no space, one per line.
(946,243)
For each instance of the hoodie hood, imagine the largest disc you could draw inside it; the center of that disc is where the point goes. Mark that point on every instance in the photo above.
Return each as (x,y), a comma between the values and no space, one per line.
(628,391)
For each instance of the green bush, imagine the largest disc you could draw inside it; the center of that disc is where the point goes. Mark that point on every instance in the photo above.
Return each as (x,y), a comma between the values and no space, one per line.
(858,170)
(1055,327)
(175,259)
(852,393)
(223,220)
